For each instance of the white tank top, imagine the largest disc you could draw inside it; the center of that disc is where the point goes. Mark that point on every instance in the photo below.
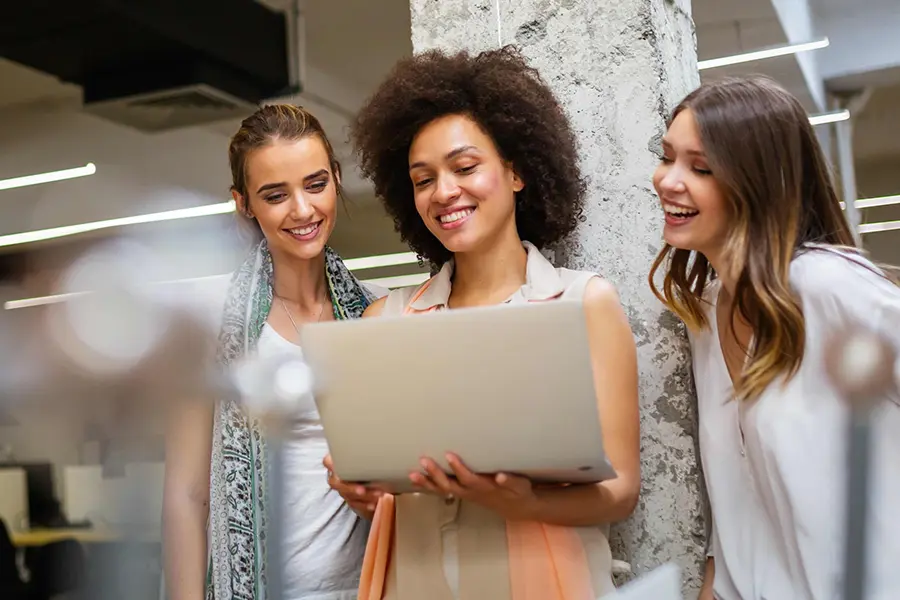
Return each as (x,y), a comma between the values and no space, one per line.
(324,539)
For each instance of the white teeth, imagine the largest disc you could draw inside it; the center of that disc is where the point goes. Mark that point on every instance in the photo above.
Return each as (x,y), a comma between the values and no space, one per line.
(304,230)
(678,210)
(456,215)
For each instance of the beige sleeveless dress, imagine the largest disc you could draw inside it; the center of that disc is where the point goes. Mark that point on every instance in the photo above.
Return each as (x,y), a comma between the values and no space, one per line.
(455,550)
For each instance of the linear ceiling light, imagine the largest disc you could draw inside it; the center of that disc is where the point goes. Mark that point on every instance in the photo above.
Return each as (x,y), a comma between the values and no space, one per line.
(829,117)
(876,227)
(762,54)
(27,237)
(26,180)
(42,300)
(40,235)
(383,260)
(873,202)
(387,282)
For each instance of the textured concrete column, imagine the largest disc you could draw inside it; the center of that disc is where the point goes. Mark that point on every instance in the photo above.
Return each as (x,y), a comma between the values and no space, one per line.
(619,66)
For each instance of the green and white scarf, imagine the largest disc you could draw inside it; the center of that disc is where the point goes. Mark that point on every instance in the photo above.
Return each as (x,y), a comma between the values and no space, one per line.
(238,487)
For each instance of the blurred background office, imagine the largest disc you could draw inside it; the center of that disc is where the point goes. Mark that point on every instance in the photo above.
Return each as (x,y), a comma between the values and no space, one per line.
(114,124)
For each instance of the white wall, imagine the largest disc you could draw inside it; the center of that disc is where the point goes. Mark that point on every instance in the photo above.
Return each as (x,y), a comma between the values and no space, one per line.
(877,178)
(140,173)
(863,36)
(136,172)
(797,23)
(40,435)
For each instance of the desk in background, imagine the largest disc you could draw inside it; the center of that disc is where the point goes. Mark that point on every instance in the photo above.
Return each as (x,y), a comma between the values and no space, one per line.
(109,564)
(41,537)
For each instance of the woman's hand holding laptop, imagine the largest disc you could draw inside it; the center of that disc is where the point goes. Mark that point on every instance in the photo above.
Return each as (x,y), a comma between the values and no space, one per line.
(360,498)
(510,496)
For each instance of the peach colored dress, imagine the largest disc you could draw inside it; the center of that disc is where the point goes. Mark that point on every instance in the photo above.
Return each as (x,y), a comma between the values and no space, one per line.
(425,547)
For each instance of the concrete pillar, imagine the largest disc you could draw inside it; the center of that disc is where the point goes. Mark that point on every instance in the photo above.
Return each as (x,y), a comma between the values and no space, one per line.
(619,67)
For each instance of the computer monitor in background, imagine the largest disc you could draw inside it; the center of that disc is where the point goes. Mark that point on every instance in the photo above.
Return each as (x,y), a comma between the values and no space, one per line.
(43,507)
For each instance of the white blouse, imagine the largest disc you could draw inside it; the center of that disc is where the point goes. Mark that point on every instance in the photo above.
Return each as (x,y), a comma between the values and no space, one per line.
(777,495)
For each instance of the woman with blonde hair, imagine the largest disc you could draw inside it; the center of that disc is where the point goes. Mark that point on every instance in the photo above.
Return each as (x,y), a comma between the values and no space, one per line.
(761,265)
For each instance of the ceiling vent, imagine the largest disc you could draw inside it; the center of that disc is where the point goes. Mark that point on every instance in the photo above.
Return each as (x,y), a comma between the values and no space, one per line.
(172,108)
(155,64)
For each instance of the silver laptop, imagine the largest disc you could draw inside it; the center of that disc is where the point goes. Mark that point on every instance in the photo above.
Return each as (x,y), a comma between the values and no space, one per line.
(508,388)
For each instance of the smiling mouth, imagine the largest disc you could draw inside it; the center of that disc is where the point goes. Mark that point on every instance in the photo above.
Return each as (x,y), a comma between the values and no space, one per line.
(456,217)
(677,215)
(306,232)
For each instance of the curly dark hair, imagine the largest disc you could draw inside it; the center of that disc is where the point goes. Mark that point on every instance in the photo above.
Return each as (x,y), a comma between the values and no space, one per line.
(511,103)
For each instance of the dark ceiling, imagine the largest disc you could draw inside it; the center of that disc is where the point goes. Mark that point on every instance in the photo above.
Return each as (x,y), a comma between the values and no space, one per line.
(115,48)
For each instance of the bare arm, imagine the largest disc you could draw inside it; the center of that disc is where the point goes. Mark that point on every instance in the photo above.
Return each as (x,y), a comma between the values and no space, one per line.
(706,592)
(375,309)
(614,360)
(186,499)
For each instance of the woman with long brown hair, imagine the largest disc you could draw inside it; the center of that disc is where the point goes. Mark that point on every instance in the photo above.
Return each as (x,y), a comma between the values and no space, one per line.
(761,265)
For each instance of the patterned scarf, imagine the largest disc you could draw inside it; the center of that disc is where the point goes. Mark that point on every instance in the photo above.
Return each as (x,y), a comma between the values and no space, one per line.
(238,489)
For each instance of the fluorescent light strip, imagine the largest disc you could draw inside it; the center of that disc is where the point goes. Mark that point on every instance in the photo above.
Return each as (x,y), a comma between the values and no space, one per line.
(873,202)
(762,54)
(383,260)
(42,300)
(878,227)
(829,117)
(40,235)
(17,182)
(399,280)
(366,262)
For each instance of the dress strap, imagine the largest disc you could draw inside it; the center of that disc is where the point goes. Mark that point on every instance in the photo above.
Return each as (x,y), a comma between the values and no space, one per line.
(576,283)
(398,301)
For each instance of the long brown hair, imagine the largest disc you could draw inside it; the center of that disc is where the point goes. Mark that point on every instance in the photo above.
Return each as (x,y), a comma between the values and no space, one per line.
(269,123)
(765,155)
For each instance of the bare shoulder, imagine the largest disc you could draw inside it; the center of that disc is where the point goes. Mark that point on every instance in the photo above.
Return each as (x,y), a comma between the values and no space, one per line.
(600,295)
(376,308)
(605,317)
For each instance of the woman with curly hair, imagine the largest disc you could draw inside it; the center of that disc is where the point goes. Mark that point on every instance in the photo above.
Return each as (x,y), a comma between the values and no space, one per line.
(476,162)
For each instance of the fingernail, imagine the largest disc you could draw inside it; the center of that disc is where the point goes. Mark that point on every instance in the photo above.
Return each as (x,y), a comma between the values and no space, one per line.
(371,507)
(449,457)
(424,463)
(360,490)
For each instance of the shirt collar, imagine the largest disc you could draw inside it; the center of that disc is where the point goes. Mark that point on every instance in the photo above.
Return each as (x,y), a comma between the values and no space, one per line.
(542,282)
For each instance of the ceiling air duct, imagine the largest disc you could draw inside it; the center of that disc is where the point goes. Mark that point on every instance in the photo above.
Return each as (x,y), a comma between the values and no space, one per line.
(154,64)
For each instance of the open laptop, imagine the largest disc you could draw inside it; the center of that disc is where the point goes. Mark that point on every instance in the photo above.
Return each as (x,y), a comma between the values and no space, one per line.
(508,388)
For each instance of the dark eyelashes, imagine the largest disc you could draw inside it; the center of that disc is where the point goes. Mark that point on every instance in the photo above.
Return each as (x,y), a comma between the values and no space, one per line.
(315,187)
(462,170)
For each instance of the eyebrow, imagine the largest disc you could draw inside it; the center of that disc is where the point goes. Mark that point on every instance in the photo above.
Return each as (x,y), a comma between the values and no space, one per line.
(666,144)
(450,155)
(272,186)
